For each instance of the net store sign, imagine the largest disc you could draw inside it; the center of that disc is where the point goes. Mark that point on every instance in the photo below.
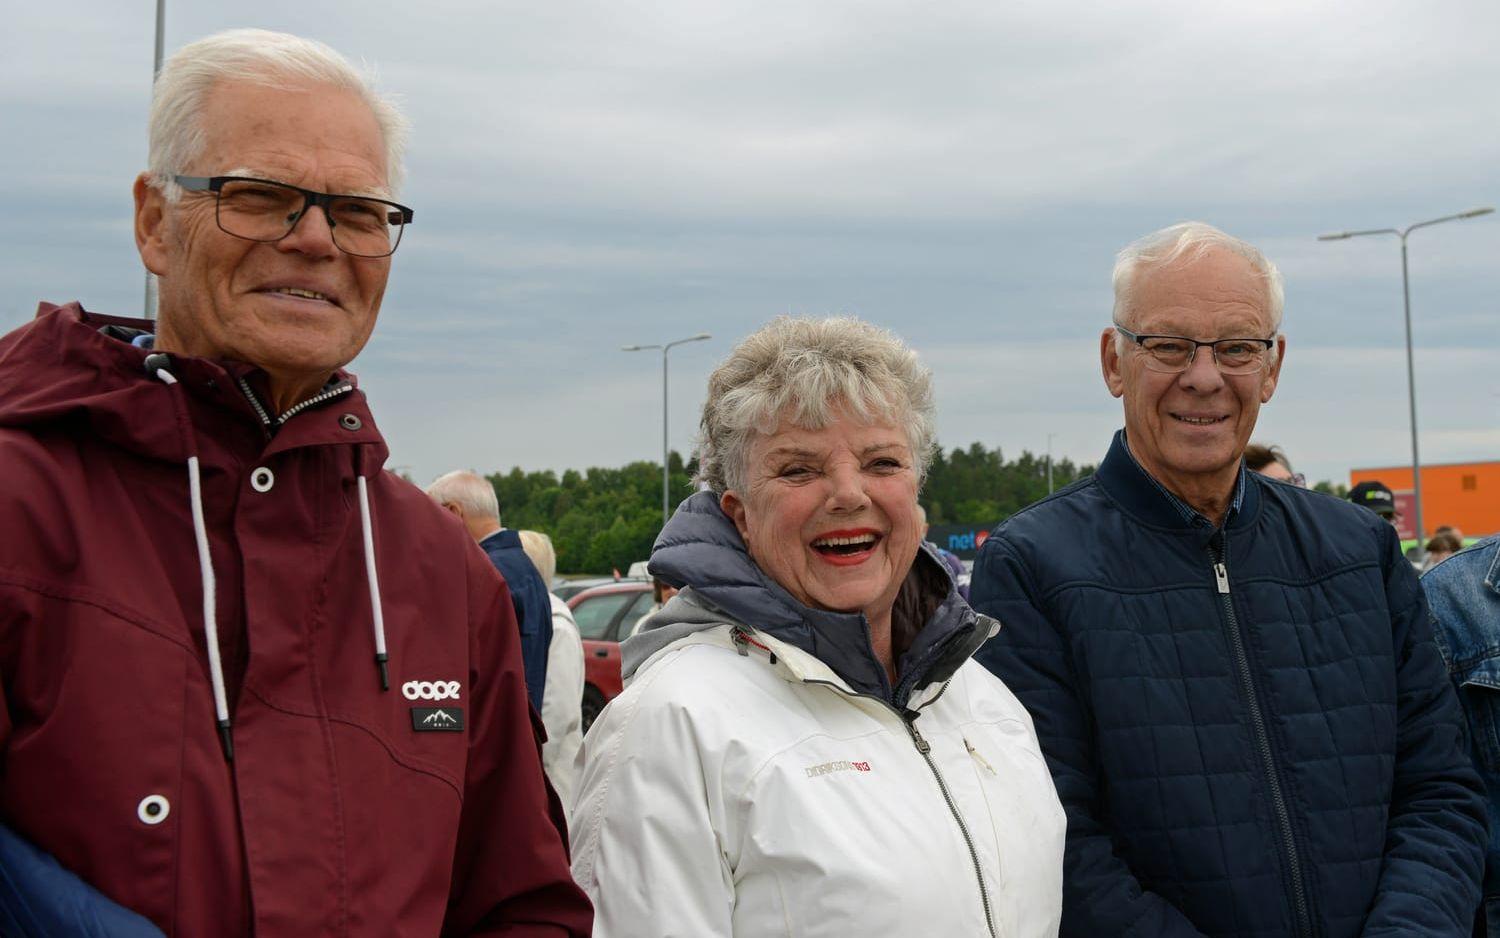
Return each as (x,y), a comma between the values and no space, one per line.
(963,539)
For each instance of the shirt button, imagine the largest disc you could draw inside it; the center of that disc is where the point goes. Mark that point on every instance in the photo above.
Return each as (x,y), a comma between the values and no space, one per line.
(261,479)
(153,809)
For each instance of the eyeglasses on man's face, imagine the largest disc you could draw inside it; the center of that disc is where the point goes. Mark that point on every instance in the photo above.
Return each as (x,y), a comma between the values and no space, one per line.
(262,210)
(1174,354)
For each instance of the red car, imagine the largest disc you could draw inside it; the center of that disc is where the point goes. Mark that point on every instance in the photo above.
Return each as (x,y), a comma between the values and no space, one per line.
(606,615)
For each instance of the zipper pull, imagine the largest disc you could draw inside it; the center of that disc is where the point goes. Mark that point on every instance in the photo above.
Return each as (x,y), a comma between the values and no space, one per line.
(923,746)
(1221,576)
(978,758)
(741,641)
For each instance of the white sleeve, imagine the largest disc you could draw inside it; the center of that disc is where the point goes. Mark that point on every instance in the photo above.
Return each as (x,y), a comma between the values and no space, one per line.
(562,701)
(646,846)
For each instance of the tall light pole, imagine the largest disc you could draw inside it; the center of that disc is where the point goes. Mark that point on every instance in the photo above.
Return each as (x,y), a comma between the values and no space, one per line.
(161,32)
(666,478)
(1049,462)
(1411,376)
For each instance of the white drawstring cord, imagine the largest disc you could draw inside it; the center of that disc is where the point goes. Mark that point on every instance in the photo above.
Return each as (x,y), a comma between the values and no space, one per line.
(378,617)
(210,609)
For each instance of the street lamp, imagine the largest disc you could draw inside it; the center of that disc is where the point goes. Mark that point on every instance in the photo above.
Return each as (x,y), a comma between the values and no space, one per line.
(1411,379)
(1049,462)
(666,510)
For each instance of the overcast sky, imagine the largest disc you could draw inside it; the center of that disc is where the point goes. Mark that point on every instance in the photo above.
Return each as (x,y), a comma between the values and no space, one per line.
(590,175)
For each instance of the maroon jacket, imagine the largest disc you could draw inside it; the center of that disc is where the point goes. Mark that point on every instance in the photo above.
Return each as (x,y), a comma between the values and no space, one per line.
(343,811)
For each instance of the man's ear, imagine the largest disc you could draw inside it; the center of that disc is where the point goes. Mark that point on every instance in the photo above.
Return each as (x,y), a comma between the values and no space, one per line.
(733,506)
(150,224)
(1110,363)
(1268,386)
(454,510)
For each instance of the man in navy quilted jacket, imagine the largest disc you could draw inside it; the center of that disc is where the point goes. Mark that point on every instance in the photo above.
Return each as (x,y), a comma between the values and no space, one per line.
(1233,679)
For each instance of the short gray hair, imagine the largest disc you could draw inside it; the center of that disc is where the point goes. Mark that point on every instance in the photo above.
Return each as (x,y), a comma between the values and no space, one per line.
(802,370)
(274,60)
(469,491)
(538,547)
(1190,240)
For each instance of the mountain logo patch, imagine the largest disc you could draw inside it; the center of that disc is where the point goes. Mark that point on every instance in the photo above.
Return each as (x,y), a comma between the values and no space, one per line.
(437,719)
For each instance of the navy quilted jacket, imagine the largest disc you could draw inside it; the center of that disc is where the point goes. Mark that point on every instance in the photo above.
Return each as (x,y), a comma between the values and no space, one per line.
(1264,748)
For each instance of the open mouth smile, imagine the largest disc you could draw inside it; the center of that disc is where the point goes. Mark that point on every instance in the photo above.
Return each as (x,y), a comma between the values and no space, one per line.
(846,547)
(1199,421)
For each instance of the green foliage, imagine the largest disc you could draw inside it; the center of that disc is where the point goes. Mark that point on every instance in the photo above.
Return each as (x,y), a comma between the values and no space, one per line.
(600,519)
(1332,488)
(977,485)
(604,519)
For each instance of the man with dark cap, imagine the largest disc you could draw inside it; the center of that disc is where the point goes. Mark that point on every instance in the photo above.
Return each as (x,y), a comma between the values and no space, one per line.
(1377,497)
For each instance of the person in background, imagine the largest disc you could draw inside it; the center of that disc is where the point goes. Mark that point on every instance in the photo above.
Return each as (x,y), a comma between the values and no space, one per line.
(1452,530)
(1442,546)
(1464,593)
(562,700)
(1272,462)
(253,683)
(1377,497)
(1234,680)
(949,558)
(471,498)
(803,745)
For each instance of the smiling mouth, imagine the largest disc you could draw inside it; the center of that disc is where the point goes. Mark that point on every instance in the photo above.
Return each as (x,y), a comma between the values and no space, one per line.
(1199,421)
(301,293)
(845,545)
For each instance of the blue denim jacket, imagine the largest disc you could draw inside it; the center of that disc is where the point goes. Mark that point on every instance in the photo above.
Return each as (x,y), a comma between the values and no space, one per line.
(1463,593)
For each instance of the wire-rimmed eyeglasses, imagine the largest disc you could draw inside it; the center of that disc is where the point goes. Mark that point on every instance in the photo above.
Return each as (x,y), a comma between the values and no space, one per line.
(263,210)
(1174,354)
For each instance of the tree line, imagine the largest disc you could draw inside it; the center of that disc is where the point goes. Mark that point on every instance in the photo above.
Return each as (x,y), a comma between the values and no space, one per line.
(604,519)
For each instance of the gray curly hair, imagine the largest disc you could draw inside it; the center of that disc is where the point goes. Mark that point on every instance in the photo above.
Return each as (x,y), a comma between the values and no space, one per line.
(804,370)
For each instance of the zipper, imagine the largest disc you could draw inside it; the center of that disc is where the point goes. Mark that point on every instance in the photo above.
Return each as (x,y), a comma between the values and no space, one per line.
(274,424)
(925,749)
(979,758)
(1220,557)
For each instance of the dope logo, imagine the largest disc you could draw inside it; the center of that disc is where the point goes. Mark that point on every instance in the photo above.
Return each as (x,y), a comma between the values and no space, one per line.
(430,690)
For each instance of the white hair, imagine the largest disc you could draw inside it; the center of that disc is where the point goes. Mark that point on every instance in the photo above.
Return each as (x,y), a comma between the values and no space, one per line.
(1188,241)
(803,370)
(538,547)
(469,491)
(261,57)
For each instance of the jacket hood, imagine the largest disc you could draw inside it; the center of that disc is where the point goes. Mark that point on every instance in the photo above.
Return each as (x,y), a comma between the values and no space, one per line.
(71,366)
(72,371)
(701,552)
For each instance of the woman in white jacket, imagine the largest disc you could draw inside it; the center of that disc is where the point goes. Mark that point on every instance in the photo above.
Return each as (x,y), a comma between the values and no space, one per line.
(803,747)
(562,695)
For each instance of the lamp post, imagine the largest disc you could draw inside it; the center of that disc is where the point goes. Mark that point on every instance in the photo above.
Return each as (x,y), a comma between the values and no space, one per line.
(1411,379)
(1049,462)
(666,510)
(161,22)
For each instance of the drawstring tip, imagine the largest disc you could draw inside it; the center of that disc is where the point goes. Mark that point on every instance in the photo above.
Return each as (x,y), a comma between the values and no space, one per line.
(226,741)
(385,678)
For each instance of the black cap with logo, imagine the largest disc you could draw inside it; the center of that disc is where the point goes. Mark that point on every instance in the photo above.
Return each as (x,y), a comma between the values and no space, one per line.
(1374,496)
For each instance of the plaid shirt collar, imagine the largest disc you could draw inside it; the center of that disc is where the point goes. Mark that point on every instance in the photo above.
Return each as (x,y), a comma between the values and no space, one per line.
(1188,512)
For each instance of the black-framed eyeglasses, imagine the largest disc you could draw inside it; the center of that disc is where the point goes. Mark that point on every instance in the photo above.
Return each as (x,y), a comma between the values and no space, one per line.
(263,210)
(1174,354)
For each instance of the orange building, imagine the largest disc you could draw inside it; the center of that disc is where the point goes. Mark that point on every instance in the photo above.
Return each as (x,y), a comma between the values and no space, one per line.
(1463,494)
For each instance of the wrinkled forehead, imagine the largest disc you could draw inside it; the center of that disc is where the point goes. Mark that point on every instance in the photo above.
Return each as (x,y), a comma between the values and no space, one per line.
(313,134)
(1216,293)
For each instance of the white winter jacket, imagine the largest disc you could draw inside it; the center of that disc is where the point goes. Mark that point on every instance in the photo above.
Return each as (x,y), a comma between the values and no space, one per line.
(562,701)
(740,787)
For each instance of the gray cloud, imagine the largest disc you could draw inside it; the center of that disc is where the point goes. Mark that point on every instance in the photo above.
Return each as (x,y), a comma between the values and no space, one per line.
(591,174)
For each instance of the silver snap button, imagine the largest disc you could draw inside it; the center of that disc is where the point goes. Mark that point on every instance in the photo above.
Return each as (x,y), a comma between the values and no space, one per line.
(261,479)
(153,809)
(350,422)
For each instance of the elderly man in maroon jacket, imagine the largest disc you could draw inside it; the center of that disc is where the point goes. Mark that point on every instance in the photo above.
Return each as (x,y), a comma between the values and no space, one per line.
(252,683)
